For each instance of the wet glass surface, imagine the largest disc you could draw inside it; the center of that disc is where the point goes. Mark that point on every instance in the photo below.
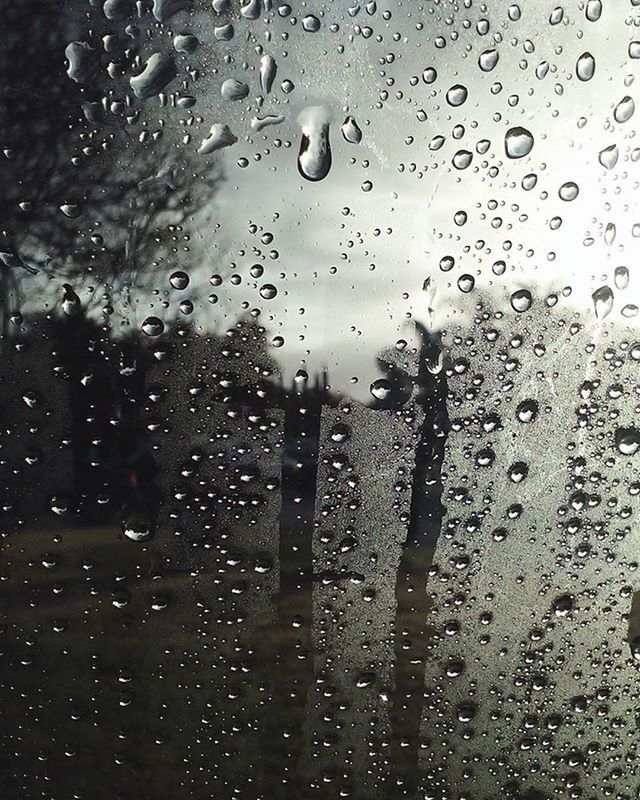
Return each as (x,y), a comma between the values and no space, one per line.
(319,407)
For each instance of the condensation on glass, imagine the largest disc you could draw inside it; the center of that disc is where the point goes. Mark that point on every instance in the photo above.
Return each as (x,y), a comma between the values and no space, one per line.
(320,386)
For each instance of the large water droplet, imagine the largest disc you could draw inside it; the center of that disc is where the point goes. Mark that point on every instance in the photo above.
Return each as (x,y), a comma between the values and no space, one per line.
(488,60)
(159,71)
(233,90)
(609,156)
(602,302)
(585,67)
(462,159)
(527,410)
(152,326)
(521,300)
(457,95)
(593,10)
(311,23)
(314,158)
(268,69)
(568,191)
(351,131)
(219,136)
(518,142)
(621,277)
(380,389)
(624,110)
(179,279)
(628,440)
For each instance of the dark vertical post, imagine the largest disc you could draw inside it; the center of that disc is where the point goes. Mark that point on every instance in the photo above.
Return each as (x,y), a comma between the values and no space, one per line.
(294,658)
(81,355)
(412,631)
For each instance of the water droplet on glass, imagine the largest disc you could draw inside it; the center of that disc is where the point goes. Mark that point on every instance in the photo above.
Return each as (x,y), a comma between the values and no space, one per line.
(380,389)
(568,191)
(233,90)
(521,300)
(621,277)
(152,326)
(518,142)
(351,131)
(268,291)
(314,157)
(527,410)
(628,440)
(219,136)
(624,110)
(185,43)
(179,280)
(311,23)
(136,530)
(563,605)
(602,302)
(159,71)
(488,60)
(585,67)
(609,156)
(457,95)
(430,74)
(462,159)
(268,69)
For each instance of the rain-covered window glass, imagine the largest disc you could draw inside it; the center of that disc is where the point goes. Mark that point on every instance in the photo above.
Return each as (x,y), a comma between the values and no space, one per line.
(319,438)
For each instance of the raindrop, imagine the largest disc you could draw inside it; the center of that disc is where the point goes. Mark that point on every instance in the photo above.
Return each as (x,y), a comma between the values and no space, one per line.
(219,136)
(521,300)
(518,472)
(179,280)
(380,389)
(527,410)
(311,23)
(593,10)
(568,191)
(350,131)
(233,90)
(624,110)
(602,302)
(268,69)
(71,210)
(462,159)
(159,71)
(314,157)
(628,440)
(488,60)
(609,156)
(562,605)
(152,326)
(185,43)
(585,67)
(457,95)
(556,15)
(518,142)
(429,75)
(621,277)
(136,530)
(268,291)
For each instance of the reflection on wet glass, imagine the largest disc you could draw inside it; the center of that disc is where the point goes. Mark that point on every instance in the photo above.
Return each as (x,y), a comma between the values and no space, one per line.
(319,401)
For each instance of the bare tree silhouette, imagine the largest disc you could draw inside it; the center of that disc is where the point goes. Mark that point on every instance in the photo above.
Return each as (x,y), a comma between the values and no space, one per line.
(92,191)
